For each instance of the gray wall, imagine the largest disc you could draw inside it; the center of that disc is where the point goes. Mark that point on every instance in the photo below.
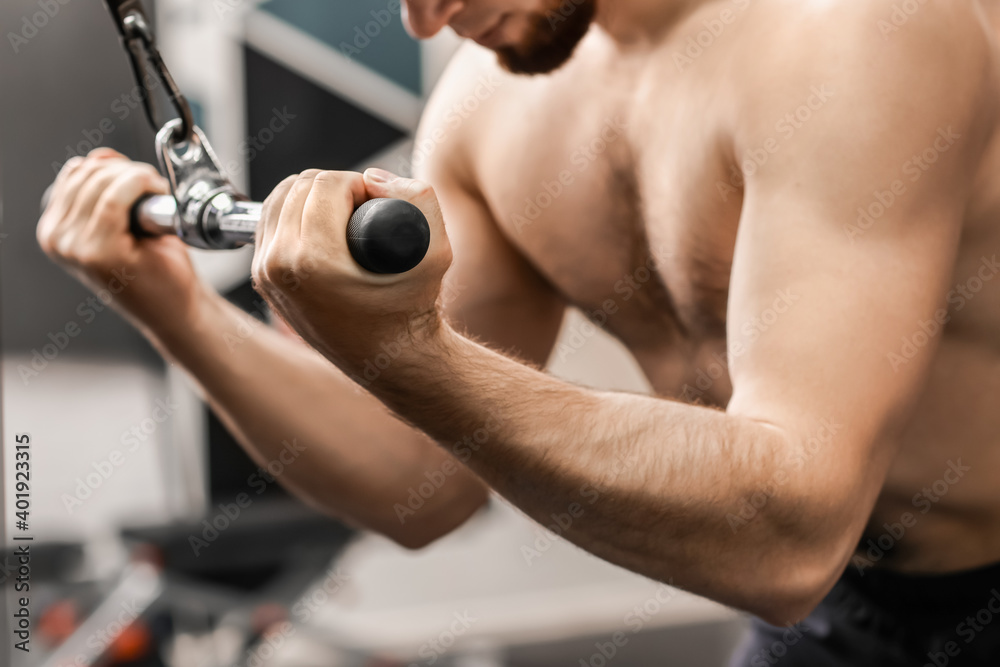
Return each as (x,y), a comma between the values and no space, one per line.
(56,90)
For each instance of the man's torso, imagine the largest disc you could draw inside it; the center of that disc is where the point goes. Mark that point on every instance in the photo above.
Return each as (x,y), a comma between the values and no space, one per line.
(616,178)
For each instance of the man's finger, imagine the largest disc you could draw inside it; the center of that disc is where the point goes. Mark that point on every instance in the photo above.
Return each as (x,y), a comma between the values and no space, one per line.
(70,192)
(93,188)
(112,210)
(269,213)
(334,196)
(290,217)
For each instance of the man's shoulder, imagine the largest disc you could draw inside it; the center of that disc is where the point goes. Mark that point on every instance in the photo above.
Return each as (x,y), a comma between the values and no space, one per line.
(459,110)
(879,58)
(791,36)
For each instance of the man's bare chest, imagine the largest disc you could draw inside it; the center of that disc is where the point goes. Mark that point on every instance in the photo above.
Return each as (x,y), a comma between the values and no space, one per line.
(631,216)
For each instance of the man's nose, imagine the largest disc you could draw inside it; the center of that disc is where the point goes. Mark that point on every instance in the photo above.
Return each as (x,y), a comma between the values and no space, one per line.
(425,18)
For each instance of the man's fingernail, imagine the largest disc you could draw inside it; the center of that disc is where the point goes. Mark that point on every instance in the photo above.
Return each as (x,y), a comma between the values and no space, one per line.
(380,175)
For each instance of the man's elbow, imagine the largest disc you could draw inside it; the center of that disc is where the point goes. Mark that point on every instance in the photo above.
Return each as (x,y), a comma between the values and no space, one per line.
(790,605)
(421,531)
(799,580)
(414,540)
(420,536)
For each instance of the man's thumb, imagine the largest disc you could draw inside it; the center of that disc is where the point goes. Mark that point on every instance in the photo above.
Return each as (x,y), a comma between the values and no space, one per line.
(381,183)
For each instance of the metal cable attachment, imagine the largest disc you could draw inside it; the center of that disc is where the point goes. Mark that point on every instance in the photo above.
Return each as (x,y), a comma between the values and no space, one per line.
(137,36)
(211,213)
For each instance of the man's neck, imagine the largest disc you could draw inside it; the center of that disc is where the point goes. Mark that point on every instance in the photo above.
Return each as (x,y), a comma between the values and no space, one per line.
(629,22)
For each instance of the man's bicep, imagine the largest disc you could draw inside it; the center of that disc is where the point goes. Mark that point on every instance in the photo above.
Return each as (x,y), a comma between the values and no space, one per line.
(818,323)
(850,228)
(491,292)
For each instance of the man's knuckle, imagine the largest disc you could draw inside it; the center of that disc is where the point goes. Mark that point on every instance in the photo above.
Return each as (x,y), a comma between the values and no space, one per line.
(102,152)
(419,190)
(110,212)
(257,276)
(67,251)
(276,263)
(87,256)
(262,279)
(73,164)
(83,173)
(298,262)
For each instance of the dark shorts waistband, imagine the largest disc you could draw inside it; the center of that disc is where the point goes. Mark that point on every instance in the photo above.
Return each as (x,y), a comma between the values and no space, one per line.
(946,594)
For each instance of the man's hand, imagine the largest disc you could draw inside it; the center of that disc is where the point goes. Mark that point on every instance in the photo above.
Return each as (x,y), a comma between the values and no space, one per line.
(303,267)
(85,229)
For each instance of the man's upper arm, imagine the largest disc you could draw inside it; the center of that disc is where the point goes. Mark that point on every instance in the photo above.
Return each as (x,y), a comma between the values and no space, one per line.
(846,246)
(491,292)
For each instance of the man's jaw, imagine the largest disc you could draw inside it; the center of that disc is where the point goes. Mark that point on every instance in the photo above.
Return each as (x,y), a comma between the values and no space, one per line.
(493,37)
(536,43)
(549,40)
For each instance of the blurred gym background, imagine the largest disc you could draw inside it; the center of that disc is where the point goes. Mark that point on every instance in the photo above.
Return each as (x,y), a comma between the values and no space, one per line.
(132,473)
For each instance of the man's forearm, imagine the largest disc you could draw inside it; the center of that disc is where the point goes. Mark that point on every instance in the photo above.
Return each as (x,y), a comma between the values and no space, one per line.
(339,448)
(647,483)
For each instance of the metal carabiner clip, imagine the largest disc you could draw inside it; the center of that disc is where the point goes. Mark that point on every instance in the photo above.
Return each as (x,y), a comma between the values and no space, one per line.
(137,36)
(205,209)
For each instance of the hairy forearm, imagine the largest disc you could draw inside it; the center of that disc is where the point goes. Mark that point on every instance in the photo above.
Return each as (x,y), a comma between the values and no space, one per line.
(647,483)
(338,447)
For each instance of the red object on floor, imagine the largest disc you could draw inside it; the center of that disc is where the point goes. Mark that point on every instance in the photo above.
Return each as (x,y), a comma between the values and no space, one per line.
(133,643)
(58,622)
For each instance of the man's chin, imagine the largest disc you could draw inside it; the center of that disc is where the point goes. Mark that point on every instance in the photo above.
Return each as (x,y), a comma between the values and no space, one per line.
(551,42)
(515,63)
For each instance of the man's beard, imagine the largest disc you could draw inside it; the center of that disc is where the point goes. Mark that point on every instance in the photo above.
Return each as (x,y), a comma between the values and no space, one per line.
(551,40)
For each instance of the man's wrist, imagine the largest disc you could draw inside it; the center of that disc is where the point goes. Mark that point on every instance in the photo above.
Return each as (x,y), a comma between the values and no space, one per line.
(421,348)
(177,331)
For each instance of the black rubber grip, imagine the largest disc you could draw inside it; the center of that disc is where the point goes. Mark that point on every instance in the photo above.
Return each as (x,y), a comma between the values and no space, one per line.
(134,224)
(388,236)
